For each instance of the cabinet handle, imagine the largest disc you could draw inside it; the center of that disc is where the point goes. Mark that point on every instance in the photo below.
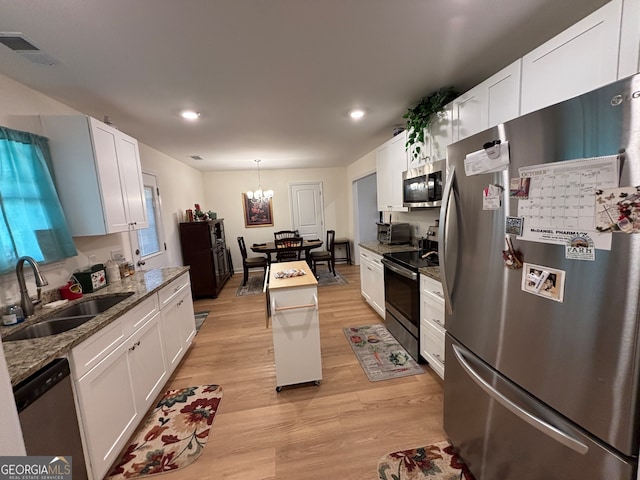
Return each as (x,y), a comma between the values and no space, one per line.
(294,307)
(441,360)
(137,344)
(180,302)
(437,321)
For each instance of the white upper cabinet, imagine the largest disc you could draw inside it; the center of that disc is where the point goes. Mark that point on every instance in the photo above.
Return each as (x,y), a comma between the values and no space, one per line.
(503,94)
(489,103)
(97,174)
(436,140)
(391,161)
(582,58)
(468,112)
(629,58)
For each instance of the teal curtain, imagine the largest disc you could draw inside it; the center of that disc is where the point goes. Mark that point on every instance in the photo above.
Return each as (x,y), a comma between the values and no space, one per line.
(31,218)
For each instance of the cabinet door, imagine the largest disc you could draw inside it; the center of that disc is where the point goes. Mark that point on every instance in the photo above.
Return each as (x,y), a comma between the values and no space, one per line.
(503,94)
(582,58)
(391,161)
(187,319)
(377,297)
(107,404)
(366,277)
(106,157)
(441,134)
(398,164)
(416,157)
(383,176)
(131,180)
(436,140)
(147,362)
(172,338)
(468,112)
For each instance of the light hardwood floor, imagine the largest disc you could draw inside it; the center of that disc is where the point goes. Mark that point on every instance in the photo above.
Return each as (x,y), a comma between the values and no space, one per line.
(337,430)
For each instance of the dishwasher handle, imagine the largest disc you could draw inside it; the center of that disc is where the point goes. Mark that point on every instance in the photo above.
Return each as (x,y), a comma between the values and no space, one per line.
(33,387)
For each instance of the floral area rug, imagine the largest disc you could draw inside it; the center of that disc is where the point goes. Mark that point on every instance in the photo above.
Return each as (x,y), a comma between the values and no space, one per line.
(173,435)
(380,354)
(433,462)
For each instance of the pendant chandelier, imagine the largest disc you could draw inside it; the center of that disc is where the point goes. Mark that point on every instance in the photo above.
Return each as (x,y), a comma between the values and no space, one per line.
(259,193)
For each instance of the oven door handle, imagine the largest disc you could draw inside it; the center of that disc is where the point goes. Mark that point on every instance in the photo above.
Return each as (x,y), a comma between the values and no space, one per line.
(399,270)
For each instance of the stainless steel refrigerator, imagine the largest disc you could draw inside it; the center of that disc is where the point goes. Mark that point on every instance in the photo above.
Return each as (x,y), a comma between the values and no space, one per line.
(543,387)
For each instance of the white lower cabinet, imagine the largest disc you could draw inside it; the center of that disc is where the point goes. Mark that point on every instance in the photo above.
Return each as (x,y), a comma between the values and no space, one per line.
(432,329)
(116,392)
(296,335)
(119,371)
(178,321)
(372,280)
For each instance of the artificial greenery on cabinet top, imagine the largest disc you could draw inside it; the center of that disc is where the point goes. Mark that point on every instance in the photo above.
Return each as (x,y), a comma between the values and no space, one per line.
(420,117)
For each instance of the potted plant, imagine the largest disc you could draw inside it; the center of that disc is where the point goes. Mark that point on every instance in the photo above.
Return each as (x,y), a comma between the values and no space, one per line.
(420,117)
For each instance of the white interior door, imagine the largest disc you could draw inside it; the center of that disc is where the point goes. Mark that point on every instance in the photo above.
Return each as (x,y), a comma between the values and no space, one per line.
(307,209)
(147,244)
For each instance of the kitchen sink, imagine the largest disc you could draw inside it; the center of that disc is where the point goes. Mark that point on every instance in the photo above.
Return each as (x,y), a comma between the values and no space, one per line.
(71,317)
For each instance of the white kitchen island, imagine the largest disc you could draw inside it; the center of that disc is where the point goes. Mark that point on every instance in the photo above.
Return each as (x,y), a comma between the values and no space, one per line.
(293,303)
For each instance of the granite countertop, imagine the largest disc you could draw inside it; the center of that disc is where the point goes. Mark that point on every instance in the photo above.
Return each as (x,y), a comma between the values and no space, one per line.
(382,248)
(433,272)
(25,357)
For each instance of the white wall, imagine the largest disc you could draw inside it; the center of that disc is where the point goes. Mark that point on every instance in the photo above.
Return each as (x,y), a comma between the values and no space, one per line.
(223,195)
(180,187)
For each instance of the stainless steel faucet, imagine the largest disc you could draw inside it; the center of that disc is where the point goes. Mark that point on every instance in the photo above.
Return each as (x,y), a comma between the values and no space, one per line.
(25,299)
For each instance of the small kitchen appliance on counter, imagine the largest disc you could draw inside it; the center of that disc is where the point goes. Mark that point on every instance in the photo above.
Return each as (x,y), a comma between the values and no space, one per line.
(394,233)
(92,279)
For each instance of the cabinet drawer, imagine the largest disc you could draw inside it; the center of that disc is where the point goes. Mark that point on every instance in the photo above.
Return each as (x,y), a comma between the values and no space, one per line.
(90,352)
(169,292)
(433,347)
(432,310)
(137,316)
(431,286)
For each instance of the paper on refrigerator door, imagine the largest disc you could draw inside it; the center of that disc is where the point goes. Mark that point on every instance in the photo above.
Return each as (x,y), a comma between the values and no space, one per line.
(479,162)
(561,203)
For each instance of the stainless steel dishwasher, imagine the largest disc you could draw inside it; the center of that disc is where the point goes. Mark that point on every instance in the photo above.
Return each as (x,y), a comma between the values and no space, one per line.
(48,415)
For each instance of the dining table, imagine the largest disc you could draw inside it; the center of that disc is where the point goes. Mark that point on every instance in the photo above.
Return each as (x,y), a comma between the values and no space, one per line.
(269,248)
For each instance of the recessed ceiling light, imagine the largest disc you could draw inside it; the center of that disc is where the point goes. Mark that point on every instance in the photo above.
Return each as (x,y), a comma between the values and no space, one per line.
(356,114)
(190,115)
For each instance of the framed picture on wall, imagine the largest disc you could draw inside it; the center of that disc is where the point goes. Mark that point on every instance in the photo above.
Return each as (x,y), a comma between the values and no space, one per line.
(257,213)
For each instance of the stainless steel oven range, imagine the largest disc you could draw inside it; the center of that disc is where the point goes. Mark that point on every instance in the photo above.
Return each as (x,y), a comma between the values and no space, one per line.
(402,296)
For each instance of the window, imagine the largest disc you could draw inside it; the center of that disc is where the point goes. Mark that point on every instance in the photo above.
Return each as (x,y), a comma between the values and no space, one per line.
(31,219)
(148,237)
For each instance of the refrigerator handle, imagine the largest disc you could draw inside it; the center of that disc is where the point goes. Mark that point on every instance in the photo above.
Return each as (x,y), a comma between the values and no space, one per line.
(442,235)
(539,424)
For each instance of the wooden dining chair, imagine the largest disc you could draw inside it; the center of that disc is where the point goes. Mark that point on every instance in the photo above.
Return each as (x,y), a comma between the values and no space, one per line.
(291,248)
(285,234)
(250,262)
(327,255)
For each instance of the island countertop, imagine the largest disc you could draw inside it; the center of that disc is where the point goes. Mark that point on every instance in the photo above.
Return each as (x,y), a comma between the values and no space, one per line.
(25,357)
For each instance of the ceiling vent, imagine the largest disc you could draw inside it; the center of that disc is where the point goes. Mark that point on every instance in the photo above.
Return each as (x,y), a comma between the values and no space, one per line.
(17,42)
(196,157)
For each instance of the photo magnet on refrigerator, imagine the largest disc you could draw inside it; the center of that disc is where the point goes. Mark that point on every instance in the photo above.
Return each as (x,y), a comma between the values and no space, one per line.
(513,225)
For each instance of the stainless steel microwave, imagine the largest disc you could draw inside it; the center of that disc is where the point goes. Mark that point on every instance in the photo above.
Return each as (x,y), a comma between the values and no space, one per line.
(422,186)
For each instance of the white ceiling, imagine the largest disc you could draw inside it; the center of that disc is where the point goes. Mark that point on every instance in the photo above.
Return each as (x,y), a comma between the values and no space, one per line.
(273,79)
